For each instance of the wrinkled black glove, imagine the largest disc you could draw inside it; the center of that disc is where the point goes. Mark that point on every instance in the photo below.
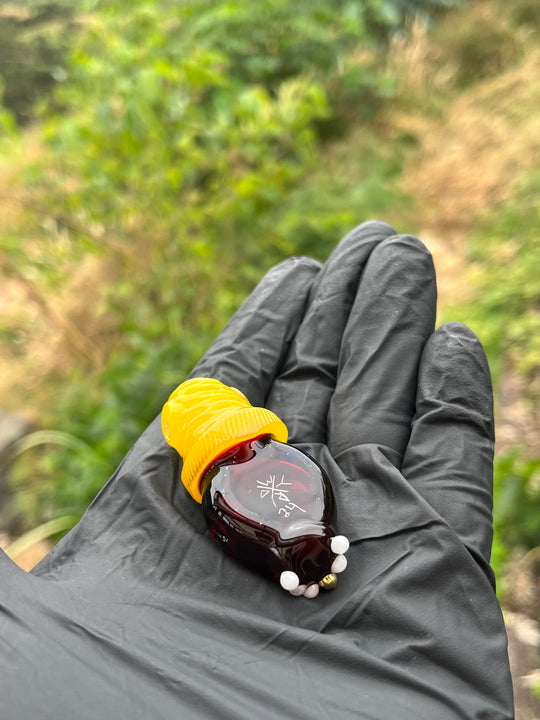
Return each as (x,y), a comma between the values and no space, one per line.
(137,613)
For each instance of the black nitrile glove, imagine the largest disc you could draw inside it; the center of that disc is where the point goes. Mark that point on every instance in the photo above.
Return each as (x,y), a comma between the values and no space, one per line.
(137,613)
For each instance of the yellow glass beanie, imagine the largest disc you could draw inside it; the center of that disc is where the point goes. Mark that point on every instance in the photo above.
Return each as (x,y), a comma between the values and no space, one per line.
(203,418)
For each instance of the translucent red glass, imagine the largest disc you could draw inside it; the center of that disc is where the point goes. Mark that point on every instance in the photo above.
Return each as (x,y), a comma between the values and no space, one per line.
(271,507)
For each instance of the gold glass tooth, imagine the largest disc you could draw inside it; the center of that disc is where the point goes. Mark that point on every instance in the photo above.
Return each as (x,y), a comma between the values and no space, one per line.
(328,582)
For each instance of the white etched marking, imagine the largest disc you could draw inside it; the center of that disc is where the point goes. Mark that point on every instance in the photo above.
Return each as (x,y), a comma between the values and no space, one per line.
(278,493)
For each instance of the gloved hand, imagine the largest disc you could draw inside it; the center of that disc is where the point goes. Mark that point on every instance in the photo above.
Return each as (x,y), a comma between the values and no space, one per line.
(137,613)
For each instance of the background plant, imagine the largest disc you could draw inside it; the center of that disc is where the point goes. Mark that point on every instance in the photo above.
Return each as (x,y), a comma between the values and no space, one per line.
(181,151)
(175,151)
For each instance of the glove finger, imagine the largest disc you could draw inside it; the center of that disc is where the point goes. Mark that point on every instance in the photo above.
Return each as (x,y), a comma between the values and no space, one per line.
(391,319)
(449,458)
(250,349)
(301,394)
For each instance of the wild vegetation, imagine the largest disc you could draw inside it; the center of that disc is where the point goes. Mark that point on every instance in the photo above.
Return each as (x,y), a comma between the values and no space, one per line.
(164,155)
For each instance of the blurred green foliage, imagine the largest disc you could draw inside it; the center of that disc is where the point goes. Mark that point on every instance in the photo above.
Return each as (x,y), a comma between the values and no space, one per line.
(185,155)
(505,313)
(505,254)
(188,147)
(517,499)
(34,39)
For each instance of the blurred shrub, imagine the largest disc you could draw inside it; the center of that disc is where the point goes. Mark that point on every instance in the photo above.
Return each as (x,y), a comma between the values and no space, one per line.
(504,312)
(517,505)
(480,41)
(525,12)
(34,38)
(183,154)
(505,256)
